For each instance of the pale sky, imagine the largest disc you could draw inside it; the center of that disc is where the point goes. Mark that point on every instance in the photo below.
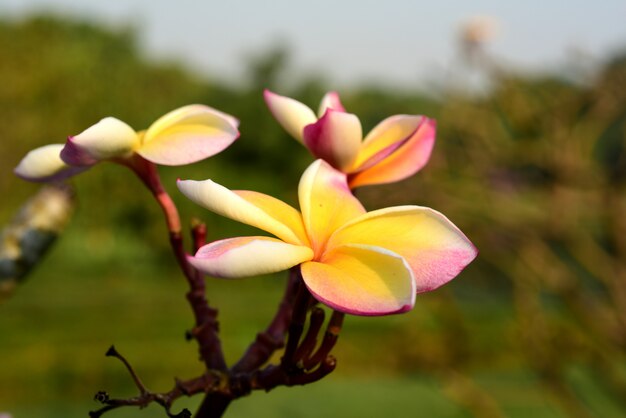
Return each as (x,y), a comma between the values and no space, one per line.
(389,41)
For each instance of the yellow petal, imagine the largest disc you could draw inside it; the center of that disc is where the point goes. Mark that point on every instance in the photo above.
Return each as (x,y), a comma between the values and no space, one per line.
(252,208)
(361,280)
(188,134)
(248,256)
(326,202)
(433,246)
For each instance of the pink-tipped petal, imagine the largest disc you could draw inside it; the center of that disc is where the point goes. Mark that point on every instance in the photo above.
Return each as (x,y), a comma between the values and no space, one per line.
(44,164)
(187,135)
(248,256)
(326,202)
(361,280)
(378,157)
(76,155)
(109,138)
(252,208)
(335,138)
(433,246)
(330,101)
(415,136)
(292,115)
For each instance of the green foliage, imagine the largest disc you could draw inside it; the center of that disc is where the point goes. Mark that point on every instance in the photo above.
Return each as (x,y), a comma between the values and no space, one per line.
(532,172)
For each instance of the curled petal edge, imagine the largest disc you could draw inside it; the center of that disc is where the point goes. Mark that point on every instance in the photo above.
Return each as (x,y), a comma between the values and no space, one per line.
(399,160)
(110,138)
(435,249)
(362,280)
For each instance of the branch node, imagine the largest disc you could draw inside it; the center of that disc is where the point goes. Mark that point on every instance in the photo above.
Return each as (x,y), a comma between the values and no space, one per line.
(101,396)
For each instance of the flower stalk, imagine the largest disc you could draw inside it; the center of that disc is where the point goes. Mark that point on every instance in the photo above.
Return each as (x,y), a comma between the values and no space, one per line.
(206,326)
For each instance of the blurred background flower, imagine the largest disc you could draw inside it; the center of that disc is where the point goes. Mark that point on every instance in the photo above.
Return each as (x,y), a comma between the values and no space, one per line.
(530,163)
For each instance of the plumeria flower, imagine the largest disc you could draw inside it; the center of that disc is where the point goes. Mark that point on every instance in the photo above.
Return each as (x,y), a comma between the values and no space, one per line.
(395,149)
(183,136)
(358,262)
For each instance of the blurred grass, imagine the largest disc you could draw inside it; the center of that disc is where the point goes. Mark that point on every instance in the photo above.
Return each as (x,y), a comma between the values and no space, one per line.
(534,172)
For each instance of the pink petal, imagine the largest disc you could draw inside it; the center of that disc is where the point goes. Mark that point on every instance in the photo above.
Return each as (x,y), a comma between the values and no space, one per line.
(335,138)
(248,256)
(330,101)
(76,155)
(187,135)
(436,250)
(361,280)
(396,149)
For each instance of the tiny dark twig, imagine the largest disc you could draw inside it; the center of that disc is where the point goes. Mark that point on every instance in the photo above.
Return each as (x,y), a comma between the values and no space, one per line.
(316,320)
(296,327)
(112,352)
(199,233)
(330,339)
(276,375)
(213,381)
(325,368)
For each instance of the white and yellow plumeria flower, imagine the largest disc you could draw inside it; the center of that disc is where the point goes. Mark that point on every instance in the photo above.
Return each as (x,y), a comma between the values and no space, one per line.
(358,262)
(183,136)
(395,149)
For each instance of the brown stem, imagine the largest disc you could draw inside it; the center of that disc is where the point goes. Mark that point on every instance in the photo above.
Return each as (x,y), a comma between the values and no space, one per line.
(206,326)
(210,382)
(298,367)
(329,341)
(310,339)
(298,319)
(273,376)
(213,406)
(112,352)
(199,233)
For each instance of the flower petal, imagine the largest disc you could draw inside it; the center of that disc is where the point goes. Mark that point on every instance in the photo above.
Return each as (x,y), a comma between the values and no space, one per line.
(433,246)
(292,115)
(361,280)
(248,256)
(335,138)
(330,101)
(252,208)
(381,162)
(109,138)
(44,164)
(188,134)
(326,202)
